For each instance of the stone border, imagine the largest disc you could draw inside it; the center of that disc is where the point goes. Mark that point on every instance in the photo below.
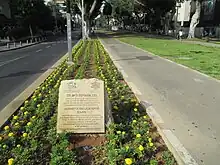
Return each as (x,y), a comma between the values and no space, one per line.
(14,105)
(181,155)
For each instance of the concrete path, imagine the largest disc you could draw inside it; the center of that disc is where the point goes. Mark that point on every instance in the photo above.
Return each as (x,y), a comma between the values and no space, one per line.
(186,102)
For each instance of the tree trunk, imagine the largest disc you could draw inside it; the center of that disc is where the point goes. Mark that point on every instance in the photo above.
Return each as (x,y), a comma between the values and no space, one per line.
(88,29)
(195,20)
(84,29)
(31,31)
(167,23)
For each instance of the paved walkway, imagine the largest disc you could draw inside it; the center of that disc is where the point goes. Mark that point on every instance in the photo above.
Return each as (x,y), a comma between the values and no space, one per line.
(187,102)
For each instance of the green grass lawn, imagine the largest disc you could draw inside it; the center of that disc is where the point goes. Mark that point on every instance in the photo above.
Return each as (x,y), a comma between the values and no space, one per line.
(201,58)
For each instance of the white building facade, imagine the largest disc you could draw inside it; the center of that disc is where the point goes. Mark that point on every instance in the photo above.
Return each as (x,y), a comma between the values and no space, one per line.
(183,11)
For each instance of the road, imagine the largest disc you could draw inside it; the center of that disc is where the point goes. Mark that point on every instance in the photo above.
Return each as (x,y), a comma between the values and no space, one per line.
(186,102)
(19,68)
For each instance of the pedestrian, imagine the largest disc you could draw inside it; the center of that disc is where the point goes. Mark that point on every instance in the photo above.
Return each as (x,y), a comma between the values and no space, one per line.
(180,34)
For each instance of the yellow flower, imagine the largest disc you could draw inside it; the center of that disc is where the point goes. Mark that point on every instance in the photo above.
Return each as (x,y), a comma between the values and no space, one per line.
(141,148)
(118,88)
(25,135)
(10,161)
(145,122)
(15,117)
(26,102)
(110,96)
(4,146)
(115,107)
(150,139)
(138,135)
(145,117)
(11,134)
(39,95)
(29,123)
(49,91)
(26,112)
(33,117)
(35,99)
(123,133)
(16,124)
(122,97)
(148,132)
(22,108)
(136,104)
(134,121)
(135,109)
(118,132)
(132,100)
(18,145)
(151,144)
(108,89)
(33,96)
(127,147)
(38,105)
(1,138)
(6,127)
(128,161)
(43,88)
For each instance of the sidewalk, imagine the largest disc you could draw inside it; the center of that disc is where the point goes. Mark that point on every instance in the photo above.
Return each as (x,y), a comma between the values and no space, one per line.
(18,46)
(186,102)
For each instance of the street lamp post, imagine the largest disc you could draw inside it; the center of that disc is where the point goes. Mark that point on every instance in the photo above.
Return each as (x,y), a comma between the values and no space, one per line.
(83,30)
(69,33)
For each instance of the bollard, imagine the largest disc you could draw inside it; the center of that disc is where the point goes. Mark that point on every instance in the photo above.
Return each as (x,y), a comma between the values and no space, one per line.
(20,43)
(27,41)
(35,39)
(14,44)
(31,41)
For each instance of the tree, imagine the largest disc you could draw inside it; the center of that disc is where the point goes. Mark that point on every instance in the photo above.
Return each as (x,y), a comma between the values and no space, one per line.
(107,11)
(32,14)
(90,9)
(196,6)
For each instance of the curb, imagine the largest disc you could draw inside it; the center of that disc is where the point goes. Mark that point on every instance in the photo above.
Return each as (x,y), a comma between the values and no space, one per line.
(180,154)
(14,105)
(20,47)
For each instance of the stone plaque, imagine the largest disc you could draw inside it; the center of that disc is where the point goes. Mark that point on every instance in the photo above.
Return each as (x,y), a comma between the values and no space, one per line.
(81,107)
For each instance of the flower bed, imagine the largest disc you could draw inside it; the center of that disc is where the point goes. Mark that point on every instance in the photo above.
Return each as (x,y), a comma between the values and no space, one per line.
(29,137)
